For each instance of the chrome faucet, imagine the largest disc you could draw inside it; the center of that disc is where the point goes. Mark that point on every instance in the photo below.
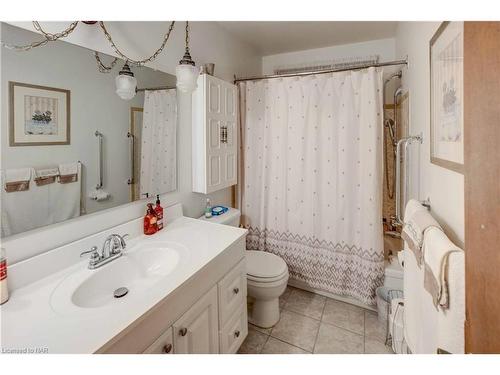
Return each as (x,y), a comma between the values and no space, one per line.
(112,249)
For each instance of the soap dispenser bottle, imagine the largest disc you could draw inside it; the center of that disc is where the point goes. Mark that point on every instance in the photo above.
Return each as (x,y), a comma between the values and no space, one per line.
(159,213)
(4,291)
(208,209)
(150,221)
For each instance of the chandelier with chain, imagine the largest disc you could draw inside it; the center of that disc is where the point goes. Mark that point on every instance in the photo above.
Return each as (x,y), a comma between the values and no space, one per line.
(126,83)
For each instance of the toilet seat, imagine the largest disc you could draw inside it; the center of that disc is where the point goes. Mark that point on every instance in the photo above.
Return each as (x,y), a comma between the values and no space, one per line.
(267,280)
(264,267)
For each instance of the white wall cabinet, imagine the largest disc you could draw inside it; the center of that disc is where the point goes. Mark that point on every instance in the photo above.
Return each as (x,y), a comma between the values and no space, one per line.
(214,134)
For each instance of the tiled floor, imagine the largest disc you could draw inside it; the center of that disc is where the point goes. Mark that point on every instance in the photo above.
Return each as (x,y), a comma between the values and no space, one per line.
(311,323)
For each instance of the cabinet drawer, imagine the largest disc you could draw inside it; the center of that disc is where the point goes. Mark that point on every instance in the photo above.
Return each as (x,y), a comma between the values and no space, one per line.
(163,345)
(234,332)
(232,292)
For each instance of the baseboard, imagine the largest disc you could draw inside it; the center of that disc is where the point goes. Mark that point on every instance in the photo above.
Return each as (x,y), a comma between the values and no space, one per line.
(302,285)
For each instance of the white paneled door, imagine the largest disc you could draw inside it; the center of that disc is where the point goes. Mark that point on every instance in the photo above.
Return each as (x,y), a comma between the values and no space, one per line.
(214,135)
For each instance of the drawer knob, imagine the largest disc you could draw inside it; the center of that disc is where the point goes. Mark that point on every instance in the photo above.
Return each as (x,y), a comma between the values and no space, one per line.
(236,290)
(167,348)
(183,331)
(237,334)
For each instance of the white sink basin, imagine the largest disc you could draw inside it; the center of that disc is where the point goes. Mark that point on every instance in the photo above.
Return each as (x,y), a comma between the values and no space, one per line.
(138,269)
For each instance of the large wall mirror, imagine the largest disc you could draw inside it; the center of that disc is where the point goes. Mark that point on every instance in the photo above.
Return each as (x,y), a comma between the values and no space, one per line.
(70,146)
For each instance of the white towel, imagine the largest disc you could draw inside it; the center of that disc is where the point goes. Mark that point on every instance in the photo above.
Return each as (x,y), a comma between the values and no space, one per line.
(16,179)
(437,250)
(68,168)
(45,175)
(17,174)
(414,228)
(45,204)
(68,172)
(427,329)
(413,206)
(451,321)
(46,171)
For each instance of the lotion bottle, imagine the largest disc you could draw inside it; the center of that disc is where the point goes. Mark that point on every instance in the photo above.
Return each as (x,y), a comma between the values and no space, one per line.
(150,221)
(159,212)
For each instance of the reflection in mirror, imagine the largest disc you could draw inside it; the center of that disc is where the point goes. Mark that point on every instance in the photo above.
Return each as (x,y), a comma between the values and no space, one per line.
(70,145)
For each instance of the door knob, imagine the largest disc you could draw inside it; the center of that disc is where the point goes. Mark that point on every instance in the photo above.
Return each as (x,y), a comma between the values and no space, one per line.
(167,348)
(237,333)
(236,290)
(183,331)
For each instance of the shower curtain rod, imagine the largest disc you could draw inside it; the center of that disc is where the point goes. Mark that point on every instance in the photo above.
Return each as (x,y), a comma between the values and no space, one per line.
(387,63)
(156,88)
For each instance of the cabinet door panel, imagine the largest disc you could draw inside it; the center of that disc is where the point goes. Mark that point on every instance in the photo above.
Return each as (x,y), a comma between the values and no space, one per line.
(163,345)
(232,292)
(196,332)
(214,93)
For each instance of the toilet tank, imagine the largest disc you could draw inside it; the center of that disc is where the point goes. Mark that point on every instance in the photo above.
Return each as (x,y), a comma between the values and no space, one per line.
(231,217)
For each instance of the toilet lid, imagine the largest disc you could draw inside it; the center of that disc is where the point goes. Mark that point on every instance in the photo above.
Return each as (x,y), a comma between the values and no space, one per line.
(262,264)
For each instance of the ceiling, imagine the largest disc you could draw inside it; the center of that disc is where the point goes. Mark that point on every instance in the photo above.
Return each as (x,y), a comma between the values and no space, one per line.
(272,37)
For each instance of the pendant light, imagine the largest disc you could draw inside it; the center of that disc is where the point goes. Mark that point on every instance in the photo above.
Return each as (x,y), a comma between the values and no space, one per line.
(126,83)
(186,72)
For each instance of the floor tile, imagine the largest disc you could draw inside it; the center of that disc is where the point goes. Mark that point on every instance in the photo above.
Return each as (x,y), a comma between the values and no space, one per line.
(274,346)
(344,315)
(335,340)
(373,327)
(254,342)
(296,329)
(266,331)
(306,303)
(285,295)
(374,346)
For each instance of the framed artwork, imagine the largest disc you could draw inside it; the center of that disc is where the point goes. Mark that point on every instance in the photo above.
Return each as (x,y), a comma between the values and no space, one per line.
(39,115)
(447,96)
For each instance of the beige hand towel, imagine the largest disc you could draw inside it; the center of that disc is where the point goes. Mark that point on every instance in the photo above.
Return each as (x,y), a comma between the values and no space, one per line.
(45,175)
(17,179)
(413,231)
(68,172)
(437,250)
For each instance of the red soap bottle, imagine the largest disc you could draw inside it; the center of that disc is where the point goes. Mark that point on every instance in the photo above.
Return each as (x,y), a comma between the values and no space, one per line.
(159,212)
(150,221)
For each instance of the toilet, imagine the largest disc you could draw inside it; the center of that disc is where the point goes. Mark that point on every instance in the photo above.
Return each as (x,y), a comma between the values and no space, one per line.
(267,277)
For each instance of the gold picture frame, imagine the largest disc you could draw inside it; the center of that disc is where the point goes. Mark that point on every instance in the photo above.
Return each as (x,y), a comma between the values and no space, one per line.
(38,115)
(446,97)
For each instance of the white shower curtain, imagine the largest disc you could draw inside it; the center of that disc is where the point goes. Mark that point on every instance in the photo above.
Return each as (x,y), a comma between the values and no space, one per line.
(311,182)
(158,149)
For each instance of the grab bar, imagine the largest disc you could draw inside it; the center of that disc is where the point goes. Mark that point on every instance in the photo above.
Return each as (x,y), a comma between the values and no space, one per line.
(403,142)
(131,139)
(99,136)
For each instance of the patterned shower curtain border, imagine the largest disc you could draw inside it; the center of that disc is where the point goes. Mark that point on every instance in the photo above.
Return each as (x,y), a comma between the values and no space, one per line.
(339,268)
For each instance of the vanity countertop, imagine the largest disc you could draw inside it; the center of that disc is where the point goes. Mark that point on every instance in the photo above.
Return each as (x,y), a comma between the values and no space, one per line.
(31,323)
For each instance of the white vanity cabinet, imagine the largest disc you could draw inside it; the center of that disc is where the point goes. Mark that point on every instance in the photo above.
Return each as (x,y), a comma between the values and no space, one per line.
(214,134)
(163,345)
(196,332)
(196,320)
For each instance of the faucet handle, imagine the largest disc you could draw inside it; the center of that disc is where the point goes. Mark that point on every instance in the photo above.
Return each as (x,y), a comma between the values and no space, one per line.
(92,250)
(94,256)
